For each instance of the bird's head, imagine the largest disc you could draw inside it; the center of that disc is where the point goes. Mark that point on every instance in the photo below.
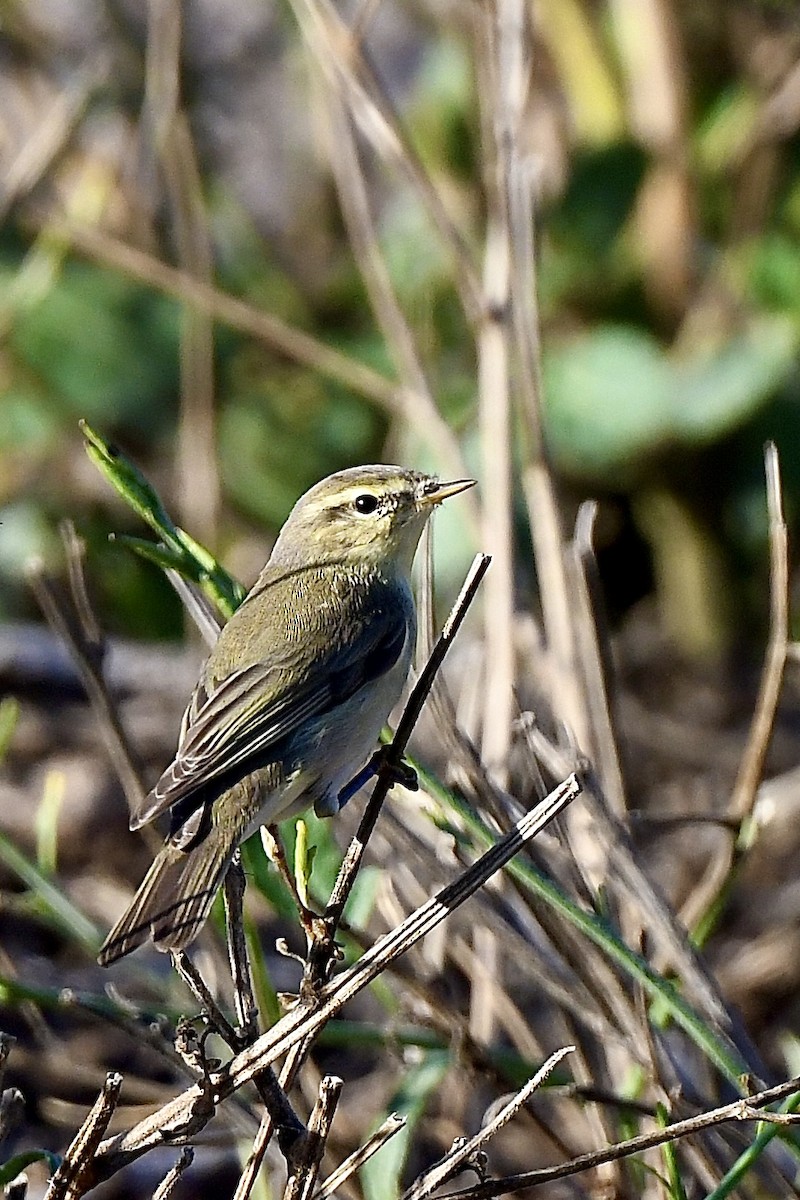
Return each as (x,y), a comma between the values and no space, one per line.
(366,516)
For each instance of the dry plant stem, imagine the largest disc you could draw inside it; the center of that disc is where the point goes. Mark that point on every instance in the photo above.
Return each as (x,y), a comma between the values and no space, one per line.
(199,989)
(501,69)
(170,1180)
(12,1108)
(745,790)
(244,998)
(458,1157)
(302,1181)
(363,240)
(286,1121)
(87,654)
(171,137)
(280,337)
(198,606)
(43,147)
(385,1131)
(544,519)
(187,1111)
(341,55)
(559,985)
(593,654)
(747,1109)
(321,954)
(751,770)
(72,1180)
(247,1180)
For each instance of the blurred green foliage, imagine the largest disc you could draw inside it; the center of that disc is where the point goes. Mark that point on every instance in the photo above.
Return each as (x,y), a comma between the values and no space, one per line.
(653,379)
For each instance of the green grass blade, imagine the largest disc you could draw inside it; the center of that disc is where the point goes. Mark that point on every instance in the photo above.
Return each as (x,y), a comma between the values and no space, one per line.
(61,911)
(766,1131)
(47,822)
(381,1175)
(9,714)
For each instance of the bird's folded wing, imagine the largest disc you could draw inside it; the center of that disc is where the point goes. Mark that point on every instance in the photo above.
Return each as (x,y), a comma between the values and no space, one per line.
(256,708)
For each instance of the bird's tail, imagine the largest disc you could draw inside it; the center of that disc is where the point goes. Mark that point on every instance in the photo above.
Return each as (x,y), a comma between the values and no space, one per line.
(175,896)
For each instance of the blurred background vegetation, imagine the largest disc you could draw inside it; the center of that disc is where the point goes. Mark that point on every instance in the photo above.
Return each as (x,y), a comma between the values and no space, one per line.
(664,141)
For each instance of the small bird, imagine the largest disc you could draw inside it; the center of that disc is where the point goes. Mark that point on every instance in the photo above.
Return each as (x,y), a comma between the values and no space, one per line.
(293,696)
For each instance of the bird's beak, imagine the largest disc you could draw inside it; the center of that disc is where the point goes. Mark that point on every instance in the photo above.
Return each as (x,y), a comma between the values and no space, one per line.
(445,490)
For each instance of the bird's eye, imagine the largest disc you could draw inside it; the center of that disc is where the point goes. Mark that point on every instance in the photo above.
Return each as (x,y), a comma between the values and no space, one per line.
(366,504)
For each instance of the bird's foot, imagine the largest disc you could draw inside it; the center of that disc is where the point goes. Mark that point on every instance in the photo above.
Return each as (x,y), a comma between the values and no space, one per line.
(399,772)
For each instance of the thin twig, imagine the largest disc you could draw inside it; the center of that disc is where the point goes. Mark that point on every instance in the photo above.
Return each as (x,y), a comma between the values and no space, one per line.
(751,769)
(171,139)
(287,1123)
(386,1130)
(499,66)
(668,933)
(517,183)
(593,654)
(72,1180)
(199,989)
(88,658)
(301,1182)
(341,54)
(461,1154)
(709,890)
(365,246)
(170,1180)
(321,953)
(739,1110)
(244,997)
(267,1127)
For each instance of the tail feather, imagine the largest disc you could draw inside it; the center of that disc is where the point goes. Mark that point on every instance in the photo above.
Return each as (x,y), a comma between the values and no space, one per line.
(174,898)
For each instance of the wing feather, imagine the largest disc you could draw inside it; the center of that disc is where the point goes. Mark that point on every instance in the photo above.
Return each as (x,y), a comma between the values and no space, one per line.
(234,727)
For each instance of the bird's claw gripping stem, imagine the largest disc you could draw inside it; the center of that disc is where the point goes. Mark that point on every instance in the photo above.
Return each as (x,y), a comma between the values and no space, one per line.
(400,772)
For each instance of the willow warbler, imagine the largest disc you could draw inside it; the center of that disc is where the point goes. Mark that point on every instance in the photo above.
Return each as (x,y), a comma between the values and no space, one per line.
(294,694)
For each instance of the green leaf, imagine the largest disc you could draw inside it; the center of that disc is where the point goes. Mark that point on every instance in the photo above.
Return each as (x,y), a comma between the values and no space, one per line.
(101,345)
(380,1176)
(615,397)
(608,400)
(716,393)
(47,822)
(303,860)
